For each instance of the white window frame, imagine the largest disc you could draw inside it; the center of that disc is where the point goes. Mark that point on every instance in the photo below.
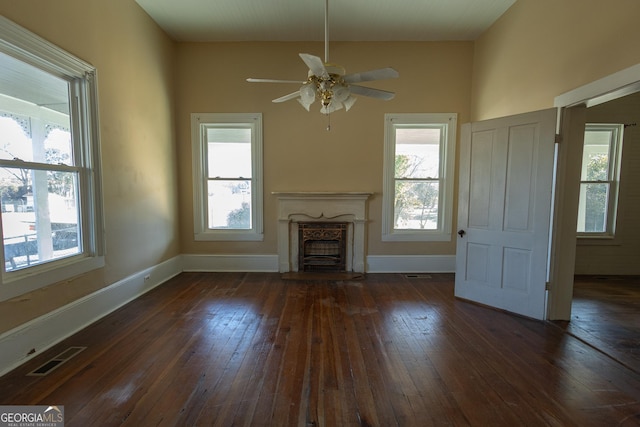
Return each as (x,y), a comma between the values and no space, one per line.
(23,45)
(199,124)
(615,158)
(447,165)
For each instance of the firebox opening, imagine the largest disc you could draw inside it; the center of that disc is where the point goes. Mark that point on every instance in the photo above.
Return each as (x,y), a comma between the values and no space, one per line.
(322,246)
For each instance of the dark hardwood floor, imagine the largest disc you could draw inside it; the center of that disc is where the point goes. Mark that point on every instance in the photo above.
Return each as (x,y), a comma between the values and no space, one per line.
(231,349)
(606,314)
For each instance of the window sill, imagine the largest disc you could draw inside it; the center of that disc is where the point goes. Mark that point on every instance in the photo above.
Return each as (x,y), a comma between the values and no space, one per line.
(29,280)
(231,236)
(416,236)
(582,240)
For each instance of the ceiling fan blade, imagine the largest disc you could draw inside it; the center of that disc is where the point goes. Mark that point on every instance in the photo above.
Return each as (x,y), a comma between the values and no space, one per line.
(287,97)
(252,80)
(367,76)
(374,93)
(315,64)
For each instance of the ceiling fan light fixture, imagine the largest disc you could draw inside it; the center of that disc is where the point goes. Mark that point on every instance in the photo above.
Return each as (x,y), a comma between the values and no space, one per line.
(329,82)
(305,105)
(341,92)
(331,107)
(307,95)
(348,103)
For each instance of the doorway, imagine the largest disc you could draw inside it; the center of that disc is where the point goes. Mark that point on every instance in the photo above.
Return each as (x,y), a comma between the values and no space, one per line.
(571,126)
(605,270)
(606,295)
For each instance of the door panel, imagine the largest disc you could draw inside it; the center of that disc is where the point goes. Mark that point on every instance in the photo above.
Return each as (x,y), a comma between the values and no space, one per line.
(480,181)
(506,168)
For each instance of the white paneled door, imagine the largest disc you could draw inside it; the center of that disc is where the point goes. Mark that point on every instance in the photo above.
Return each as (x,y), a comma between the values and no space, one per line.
(504,205)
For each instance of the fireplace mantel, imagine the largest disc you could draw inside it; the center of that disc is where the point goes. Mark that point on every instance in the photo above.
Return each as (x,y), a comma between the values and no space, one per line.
(293,207)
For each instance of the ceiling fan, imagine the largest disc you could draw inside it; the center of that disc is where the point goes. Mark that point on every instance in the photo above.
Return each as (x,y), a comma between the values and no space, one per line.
(329,83)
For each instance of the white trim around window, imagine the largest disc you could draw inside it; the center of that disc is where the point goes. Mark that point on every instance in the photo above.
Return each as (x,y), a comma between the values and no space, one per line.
(201,124)
(440,221)
(600,181)
(21,45)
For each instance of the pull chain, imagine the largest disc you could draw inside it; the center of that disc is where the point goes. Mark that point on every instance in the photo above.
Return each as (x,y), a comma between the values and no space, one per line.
(328,122)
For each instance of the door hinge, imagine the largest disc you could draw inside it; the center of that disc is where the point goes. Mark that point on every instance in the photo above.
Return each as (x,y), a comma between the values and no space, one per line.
(558,139)
(547,286)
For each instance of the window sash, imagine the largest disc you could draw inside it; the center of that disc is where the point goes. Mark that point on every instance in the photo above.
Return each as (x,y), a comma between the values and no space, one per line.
(82,121)
(418,216)
(230,140)
(231,223)
(597,211)
(33,237)
(232,214)
(418,224)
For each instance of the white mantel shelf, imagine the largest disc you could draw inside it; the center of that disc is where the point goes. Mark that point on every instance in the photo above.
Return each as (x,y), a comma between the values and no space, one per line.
(325,194)
(294,207)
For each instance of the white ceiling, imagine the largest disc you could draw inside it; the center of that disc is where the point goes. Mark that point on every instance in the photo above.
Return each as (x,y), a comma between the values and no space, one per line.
(303,20)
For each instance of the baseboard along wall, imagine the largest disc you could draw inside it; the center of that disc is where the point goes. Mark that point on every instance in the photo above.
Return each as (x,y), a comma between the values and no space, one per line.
(26,341)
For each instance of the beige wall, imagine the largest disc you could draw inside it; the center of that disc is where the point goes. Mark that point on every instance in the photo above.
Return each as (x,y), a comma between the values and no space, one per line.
(540,49)
(135,75)
(299,154)
(536,51)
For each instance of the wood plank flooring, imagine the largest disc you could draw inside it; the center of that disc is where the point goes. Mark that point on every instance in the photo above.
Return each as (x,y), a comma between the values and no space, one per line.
(606,314)
(252,349)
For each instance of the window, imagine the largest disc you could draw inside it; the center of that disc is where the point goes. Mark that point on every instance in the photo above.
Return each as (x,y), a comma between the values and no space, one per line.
(418,177)
(227,172)
(599,180)
(49,175)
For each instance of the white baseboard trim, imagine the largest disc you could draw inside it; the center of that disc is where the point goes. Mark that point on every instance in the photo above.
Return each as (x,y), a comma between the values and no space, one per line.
(230,262)
(45,331)
(48,330)
(411,264)
(269,263)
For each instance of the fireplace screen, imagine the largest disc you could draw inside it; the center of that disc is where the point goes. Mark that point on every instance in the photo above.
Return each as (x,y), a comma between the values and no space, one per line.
(322,246)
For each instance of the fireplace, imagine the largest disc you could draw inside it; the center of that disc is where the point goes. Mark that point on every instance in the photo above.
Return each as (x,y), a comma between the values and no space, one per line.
(322,246)
(307,210)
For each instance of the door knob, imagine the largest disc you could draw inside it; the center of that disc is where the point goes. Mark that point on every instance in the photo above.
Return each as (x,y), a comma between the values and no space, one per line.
(462,233)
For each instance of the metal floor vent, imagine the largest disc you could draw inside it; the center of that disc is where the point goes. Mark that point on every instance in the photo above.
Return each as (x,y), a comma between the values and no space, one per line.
(52,364)
(417,276)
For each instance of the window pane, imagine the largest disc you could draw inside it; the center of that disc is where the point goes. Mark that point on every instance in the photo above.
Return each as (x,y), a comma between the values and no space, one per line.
(595,157)
(229,152)
(38,225)
(592,212)
(15,142)
(416,205)
(43,136)
(58,148)
(417,152)
(229,204)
